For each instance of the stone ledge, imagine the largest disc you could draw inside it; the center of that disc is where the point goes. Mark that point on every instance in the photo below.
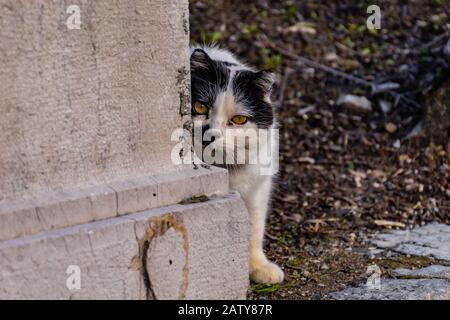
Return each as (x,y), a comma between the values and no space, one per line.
(194,251)
(65,209)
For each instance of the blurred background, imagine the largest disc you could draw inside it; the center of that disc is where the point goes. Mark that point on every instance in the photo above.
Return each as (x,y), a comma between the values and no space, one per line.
(364,126)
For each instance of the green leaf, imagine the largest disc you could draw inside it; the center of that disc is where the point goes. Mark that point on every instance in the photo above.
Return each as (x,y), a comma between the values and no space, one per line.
(210,37)
(265,288)
(365,51)
(390,62)
(361,28)
(203,36)
(270,61)
(250,29)
(289,10)
(373,31)
(349,42)
(216,36)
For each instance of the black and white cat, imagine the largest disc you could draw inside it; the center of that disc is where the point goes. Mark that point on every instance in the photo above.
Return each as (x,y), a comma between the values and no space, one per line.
(227,95)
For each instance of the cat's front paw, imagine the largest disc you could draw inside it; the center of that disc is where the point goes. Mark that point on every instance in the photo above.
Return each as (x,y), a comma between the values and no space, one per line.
(267,273)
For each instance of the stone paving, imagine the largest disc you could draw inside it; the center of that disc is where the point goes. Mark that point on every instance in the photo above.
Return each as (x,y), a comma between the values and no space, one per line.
(428,283)
(432,240)
(433,272)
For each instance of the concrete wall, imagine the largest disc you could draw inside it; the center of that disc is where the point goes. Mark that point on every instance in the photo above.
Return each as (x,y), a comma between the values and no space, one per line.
(86,177)
(80,107)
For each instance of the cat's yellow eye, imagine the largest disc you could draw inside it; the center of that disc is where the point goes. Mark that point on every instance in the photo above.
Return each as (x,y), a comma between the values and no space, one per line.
(239,119)
(200,108)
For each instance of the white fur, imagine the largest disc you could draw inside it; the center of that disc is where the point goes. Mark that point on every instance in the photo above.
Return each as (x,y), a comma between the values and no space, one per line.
(255,189)
(216,53)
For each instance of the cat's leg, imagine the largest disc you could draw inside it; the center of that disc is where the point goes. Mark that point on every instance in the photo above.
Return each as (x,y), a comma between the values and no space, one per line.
(261,269)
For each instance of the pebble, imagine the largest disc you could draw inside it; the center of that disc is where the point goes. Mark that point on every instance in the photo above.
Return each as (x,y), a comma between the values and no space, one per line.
(324,267)
(390,127)
(385,106)
(388,185)
(355,103)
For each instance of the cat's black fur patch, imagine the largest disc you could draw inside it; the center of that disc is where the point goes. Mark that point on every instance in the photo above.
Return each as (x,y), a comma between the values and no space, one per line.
(208,78)
(251,88)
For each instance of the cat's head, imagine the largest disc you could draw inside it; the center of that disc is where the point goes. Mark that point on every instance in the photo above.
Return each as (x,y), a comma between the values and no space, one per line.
(228,96)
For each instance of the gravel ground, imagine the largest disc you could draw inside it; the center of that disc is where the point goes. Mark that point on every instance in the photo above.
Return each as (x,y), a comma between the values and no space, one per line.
(345,173)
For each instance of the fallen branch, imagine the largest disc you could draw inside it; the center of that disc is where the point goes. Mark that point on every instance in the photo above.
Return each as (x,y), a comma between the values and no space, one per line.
(387,223)
(317,65)
(374,88)
(433,42)
(271,237)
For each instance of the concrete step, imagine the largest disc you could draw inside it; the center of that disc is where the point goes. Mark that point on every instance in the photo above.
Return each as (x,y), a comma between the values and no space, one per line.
(192,251)
(72,207)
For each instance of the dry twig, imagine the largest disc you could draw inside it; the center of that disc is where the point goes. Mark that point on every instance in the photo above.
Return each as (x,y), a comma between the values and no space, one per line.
(375,88)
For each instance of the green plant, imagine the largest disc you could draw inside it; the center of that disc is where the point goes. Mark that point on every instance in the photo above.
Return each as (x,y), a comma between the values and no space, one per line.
(265,288)
(270,61)
(248,30)
(284,238)
(210,37)
(289,10)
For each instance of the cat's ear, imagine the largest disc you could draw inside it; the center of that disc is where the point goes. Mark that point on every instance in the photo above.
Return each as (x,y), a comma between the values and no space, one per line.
(265,80)
(200,60)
